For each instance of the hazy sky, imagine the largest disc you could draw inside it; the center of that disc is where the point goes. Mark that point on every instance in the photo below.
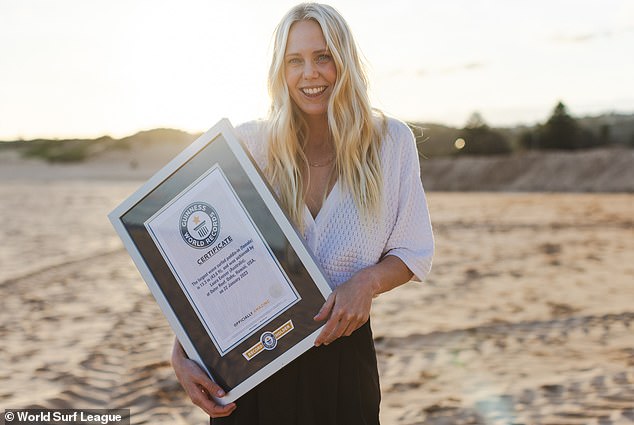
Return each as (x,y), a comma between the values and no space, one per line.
(84,68)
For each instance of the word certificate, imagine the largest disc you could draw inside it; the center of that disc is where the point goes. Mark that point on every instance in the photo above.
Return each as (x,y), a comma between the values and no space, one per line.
(223,264)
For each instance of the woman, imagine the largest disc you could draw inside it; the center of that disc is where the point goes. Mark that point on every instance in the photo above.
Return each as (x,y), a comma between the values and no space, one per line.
(349,177)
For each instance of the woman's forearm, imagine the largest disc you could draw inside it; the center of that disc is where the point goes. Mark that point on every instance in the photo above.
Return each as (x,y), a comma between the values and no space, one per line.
(387,274)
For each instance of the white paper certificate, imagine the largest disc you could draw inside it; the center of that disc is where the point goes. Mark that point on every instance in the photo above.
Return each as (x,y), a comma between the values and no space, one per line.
(223,264)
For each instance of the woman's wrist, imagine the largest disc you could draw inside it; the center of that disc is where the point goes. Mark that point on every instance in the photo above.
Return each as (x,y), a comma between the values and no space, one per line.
(389,273)
(371,279)
(178,353)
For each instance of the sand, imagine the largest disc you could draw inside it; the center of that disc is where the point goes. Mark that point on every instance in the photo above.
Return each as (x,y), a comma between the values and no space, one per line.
(527,317)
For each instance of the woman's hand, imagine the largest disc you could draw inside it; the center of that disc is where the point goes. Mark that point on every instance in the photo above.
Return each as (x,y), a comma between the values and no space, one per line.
(197,384)
(348,307)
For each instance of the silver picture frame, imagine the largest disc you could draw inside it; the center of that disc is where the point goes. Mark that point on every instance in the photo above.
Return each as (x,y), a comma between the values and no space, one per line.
(288,329)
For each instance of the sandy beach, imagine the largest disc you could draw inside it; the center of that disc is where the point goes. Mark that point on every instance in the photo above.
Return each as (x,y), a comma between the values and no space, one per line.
(527,317)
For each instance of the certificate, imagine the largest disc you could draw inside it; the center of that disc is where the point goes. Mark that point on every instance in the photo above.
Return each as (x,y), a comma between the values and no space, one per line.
(231,274)
(220,259)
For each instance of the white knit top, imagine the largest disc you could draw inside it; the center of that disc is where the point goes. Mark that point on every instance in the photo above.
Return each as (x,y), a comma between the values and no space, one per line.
(338,237)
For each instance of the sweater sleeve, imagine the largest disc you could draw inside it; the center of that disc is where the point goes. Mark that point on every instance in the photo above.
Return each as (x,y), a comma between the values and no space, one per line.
(411,238)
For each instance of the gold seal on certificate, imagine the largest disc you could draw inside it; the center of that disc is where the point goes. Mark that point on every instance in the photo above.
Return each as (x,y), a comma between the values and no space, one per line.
(230,273)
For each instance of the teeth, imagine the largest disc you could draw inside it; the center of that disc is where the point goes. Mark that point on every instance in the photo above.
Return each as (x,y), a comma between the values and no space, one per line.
(313,90)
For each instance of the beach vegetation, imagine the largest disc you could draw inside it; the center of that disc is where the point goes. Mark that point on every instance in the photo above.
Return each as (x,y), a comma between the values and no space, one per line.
(563,132)
(477,138)
(62,151)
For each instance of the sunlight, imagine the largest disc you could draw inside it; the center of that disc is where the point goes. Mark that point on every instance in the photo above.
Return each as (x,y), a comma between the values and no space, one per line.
(84,69)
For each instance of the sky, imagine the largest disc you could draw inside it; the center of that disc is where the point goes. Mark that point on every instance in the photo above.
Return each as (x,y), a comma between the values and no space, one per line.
(87,68)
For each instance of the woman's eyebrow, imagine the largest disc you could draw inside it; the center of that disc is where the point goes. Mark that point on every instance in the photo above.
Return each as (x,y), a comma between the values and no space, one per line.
(315,52)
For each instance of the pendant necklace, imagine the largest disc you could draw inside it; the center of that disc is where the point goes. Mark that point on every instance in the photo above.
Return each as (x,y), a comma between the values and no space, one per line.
(321,164)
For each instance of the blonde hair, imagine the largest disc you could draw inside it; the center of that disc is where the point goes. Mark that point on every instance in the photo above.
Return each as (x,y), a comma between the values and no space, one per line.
(355,128)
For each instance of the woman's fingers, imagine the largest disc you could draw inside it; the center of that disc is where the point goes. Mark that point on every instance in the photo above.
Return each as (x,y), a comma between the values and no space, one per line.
(324,314)
(326,334)
(198,386)
(325,310)
(347,308)
(339,324)
(338,331)
(201,398)
(199,377)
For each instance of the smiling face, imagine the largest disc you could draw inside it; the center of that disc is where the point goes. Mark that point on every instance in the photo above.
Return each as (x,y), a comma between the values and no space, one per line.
(309,68)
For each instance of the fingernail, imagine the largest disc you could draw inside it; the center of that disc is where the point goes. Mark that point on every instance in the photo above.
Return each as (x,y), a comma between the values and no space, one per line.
(220,393)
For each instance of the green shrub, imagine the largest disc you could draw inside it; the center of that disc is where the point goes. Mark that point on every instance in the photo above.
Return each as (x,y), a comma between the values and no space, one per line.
(57,151)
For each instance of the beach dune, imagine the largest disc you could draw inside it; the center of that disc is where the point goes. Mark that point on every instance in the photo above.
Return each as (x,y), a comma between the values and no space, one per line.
(527,317)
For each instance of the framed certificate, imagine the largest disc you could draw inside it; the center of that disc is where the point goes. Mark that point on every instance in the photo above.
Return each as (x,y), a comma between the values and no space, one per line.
(229,271)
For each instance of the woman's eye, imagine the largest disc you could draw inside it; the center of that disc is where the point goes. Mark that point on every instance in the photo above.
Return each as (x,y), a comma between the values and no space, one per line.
(323,58)
(294,61)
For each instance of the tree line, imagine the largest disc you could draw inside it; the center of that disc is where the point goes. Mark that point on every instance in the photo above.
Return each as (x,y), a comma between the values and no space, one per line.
(561,131)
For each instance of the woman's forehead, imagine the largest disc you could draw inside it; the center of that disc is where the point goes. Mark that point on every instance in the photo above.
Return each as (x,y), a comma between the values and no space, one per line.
(305,36)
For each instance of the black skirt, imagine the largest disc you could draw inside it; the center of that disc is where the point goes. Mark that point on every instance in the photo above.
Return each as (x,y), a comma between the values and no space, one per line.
(337,384)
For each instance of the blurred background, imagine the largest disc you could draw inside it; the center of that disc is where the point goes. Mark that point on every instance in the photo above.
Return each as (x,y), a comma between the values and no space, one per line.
(87,69)
(524,117)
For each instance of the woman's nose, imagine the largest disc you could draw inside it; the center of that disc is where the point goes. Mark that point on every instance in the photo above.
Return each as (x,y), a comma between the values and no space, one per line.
(310,70)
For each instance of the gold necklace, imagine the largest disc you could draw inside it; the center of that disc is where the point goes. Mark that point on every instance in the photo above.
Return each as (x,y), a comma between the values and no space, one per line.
(321,164)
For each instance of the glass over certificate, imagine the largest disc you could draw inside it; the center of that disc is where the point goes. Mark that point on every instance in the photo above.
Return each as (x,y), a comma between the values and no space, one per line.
(221,260)
(231,274)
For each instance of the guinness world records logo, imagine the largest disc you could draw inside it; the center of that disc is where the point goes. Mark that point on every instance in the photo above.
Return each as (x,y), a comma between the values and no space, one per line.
(268,340)
(199,225)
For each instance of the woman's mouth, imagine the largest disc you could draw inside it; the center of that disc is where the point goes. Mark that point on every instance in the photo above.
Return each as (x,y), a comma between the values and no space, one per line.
(313,91)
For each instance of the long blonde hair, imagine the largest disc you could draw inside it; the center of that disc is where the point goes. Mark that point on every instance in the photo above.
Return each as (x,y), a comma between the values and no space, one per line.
(355,128)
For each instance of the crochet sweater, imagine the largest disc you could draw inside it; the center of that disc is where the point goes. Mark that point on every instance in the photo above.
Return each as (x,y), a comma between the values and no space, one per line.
(338,237)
